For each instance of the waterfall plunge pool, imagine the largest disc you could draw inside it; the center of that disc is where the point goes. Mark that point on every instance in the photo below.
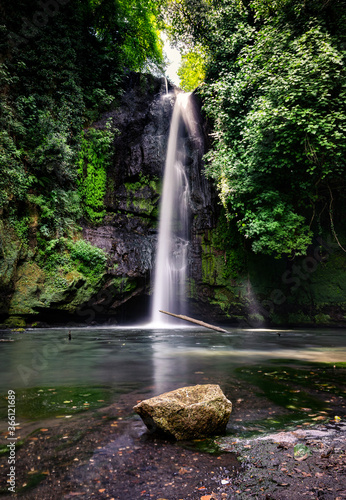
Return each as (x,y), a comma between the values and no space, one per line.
(299,373)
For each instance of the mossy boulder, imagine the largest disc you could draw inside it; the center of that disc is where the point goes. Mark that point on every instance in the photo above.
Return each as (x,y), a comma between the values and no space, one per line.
(12,251)
(36,290)
(188,412)
(29,281)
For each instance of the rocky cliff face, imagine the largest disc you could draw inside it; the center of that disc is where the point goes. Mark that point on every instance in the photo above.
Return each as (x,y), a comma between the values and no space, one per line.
(226,281)
(129,231)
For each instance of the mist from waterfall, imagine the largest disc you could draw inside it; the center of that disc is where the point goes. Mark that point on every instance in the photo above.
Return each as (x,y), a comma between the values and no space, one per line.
(169,293)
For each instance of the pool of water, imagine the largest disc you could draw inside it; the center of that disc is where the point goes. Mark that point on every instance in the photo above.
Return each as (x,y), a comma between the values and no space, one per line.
(160,358)
(97,364)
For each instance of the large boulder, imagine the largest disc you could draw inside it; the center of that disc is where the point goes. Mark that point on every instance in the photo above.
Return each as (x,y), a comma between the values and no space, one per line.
(188,412)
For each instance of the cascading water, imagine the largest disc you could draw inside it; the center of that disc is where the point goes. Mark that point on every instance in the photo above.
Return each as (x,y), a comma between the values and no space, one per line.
(173,240)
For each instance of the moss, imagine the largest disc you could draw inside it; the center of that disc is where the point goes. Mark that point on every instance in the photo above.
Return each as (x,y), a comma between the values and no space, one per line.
(142,199)
(95,155)
(222,270)
(214,266)
(69,275)
(223,257)
(328,282)
(322,319)
(143,196)
(144,205)
(110,188)
(123,285)
(229,302)
(305,291)
(16,322)
(72,277)
(67,296)
(30,278)
(88,260)
(155,184)
(192,289)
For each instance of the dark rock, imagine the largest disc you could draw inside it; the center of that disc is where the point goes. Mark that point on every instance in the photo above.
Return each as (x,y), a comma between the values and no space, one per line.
(131,251)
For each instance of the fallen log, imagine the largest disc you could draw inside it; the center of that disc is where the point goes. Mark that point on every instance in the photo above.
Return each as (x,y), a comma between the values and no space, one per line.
(196,321)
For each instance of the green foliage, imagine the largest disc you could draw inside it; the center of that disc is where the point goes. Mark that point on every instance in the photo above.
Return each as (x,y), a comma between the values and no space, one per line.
(94,157)
(13,179)
(138,22)
(55,80)
(62,257)
(58,212)
(275,92)
(20,225)
(91,261)
(191,71)
(275,229)
(131,28)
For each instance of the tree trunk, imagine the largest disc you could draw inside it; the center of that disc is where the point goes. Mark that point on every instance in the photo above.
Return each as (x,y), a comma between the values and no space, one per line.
(196,321)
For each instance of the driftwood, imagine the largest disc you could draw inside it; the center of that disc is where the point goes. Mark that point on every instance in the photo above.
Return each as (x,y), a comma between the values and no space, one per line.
(196,321)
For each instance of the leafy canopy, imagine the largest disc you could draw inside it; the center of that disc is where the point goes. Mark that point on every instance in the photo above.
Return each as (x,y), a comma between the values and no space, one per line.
(275,92)
(61,67)
(192,71)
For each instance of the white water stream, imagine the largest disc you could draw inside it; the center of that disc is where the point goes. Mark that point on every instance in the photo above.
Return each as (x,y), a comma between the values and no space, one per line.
(172,251)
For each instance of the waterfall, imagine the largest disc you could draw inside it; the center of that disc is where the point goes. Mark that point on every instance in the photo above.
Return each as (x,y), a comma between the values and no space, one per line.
(173,238)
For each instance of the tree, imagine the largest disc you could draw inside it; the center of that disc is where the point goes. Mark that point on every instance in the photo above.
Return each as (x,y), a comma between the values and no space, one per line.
(192,71)
(62,63)
(275,90)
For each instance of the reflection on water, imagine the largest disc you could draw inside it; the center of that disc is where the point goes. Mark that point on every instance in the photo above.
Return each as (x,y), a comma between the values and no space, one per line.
(159,359)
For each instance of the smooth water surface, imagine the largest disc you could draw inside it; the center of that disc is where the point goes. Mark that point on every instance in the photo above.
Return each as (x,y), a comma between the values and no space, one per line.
(160,360)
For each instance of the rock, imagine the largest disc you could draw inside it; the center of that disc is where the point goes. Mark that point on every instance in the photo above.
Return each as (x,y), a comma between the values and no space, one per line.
(11,253)
(188,412)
